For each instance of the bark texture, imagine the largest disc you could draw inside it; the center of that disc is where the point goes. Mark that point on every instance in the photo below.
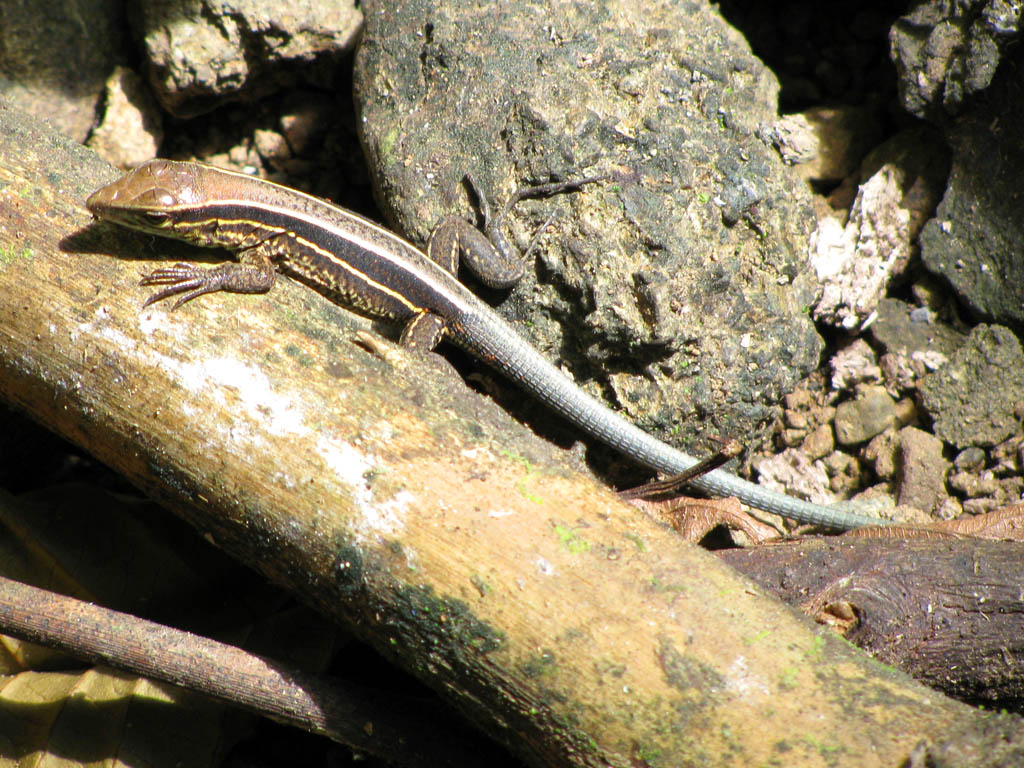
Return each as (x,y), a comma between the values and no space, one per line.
(949,611)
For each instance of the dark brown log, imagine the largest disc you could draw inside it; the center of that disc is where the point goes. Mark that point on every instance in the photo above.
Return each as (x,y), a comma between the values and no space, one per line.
(948,611)
(393,498)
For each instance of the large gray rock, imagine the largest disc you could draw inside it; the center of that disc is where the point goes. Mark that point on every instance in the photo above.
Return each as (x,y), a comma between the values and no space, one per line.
(55,57)
(973,400)
(679,292)
(976,239)
(947,52)
(202,52)
(958,67)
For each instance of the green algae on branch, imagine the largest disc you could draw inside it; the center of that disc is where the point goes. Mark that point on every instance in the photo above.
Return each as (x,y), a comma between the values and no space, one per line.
(435,621)
(571,540)
(10,255)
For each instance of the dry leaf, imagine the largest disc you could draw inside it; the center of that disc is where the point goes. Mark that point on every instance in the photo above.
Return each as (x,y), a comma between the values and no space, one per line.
(694,519)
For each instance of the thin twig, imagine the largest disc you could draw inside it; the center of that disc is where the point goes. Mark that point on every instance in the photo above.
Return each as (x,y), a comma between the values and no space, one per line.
(399,730)
(670,486)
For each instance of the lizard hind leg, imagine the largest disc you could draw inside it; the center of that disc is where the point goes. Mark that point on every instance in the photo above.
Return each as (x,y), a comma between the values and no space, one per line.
(454,239)
(489,254)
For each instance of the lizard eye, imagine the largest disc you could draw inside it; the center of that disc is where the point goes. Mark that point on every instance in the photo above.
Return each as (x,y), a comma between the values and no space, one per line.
(156,218)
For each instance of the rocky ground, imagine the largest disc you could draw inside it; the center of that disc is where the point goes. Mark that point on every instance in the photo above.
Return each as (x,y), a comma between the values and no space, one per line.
(919,403)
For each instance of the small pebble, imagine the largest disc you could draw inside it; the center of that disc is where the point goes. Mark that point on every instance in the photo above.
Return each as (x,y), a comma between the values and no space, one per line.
(859,420)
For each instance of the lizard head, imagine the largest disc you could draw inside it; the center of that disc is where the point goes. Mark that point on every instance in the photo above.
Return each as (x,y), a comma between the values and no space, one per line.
(153,198)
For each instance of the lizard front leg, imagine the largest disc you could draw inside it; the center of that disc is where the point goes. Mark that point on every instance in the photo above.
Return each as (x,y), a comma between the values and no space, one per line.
(254,273)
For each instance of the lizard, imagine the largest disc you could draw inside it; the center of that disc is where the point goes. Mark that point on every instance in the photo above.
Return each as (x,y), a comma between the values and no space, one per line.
(373,270)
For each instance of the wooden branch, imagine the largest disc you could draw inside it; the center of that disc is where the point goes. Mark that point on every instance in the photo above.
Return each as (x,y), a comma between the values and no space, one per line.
(401,732)
(393,498)
(950,612)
